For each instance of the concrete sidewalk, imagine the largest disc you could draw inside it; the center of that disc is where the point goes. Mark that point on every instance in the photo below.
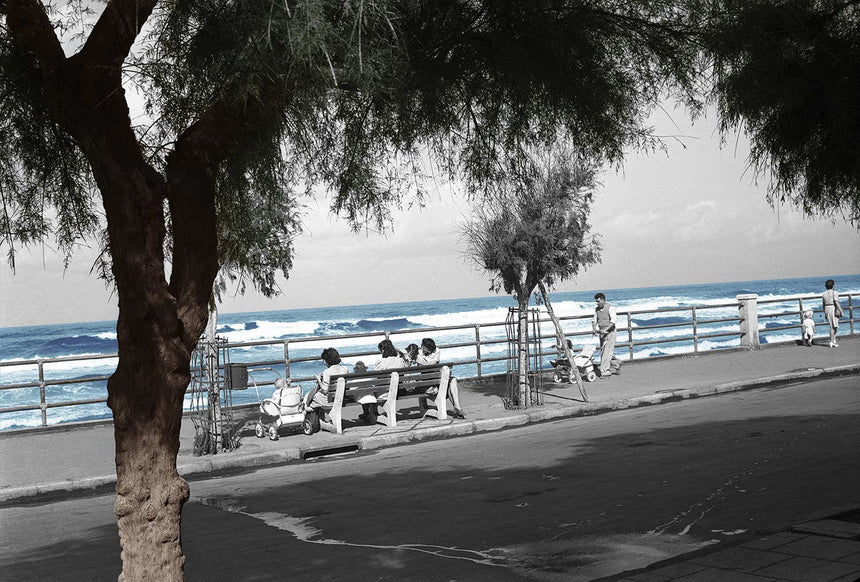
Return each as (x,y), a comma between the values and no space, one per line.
(79,459)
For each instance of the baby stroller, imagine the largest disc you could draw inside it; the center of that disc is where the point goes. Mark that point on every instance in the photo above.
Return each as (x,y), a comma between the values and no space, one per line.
(581,359)
(286,407)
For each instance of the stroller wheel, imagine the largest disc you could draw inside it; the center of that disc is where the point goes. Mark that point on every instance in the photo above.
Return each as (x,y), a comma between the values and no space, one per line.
(273,432)
(311,423)
(591,377)
(556,378)
(259,430)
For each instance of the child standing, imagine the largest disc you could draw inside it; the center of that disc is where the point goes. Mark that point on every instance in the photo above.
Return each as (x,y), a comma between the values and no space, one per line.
(808,326)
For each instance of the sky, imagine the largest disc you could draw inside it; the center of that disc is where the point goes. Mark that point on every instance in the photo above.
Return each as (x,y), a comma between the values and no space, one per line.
(694,214)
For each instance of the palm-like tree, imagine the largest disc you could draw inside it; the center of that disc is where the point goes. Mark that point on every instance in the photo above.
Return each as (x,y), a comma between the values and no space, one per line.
(534,231)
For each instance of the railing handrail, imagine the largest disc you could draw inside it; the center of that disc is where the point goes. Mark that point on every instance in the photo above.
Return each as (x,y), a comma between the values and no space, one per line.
(479,342)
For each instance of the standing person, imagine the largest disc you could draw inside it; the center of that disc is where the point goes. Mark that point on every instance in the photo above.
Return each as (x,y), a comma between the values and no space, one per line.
(430,355)
(808,328)
(604,323)
(832,309)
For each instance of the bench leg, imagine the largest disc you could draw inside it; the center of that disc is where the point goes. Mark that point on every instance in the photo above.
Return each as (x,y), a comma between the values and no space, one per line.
(336,412)
(336,415)
(442,395)
(390,407)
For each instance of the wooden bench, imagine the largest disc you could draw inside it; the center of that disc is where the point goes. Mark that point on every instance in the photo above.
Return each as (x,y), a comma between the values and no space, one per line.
(388,386)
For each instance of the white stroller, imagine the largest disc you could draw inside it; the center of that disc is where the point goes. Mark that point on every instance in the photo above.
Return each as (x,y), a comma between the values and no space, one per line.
(286,407)
(581,359)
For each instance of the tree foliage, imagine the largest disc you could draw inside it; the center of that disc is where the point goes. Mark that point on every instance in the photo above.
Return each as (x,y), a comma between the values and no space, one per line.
(788,73)
(535,229)
(348,95)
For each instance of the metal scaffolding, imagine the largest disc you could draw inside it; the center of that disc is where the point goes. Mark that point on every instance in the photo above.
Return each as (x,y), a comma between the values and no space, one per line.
(533,360)
(211,408)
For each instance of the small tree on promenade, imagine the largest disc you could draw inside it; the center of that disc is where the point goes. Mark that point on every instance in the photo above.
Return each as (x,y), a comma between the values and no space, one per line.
(533,232)
(788,74)
(250,104)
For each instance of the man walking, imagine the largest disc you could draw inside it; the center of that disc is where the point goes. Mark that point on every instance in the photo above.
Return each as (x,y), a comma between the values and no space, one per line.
(603,323)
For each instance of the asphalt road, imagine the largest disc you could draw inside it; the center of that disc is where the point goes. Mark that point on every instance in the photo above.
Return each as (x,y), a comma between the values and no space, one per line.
(570,500)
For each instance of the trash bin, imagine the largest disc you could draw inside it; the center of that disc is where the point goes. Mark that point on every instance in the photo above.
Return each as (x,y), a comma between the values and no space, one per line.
(237,376)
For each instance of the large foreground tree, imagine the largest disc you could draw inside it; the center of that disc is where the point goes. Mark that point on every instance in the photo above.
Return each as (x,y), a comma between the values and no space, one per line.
(250,103)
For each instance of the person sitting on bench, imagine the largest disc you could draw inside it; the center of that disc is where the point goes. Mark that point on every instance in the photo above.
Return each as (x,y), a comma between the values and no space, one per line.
(318,396)
(390,359)
(431,355)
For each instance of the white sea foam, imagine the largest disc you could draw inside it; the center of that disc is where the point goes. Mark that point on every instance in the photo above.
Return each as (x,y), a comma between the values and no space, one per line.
(495,315)
(267,330)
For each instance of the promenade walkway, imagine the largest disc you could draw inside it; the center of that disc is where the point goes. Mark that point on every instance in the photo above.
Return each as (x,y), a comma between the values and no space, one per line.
(67,461)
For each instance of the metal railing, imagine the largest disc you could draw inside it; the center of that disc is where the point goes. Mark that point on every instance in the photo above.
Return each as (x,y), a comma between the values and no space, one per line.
(691,327)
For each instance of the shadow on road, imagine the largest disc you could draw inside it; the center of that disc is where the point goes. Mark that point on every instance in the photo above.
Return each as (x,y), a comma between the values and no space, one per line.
(542,503)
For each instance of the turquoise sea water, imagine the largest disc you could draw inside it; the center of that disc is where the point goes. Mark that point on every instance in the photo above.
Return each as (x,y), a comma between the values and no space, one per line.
(87,339)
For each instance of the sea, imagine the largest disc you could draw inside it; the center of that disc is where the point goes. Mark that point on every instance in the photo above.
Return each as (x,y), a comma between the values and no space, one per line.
(257,338)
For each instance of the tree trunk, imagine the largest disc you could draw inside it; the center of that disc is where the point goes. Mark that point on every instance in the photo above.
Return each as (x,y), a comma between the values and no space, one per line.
(149,491)
(146,391)
(562,341)
(159,323)
(523,353)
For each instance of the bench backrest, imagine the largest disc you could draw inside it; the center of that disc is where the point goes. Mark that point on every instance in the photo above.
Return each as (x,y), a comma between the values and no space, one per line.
(416,379)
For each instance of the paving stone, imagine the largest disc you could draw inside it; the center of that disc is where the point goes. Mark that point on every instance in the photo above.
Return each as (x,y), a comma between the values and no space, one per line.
(773,541)
(830,527)
(670,572)
(825,548)
(718,575)
(801,569)
(740,559)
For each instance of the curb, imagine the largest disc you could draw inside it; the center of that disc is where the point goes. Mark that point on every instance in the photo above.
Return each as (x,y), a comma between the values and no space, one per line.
(220,464)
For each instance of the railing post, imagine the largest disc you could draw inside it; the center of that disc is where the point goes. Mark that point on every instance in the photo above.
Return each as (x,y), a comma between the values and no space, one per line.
(287,358)
(748,314)
(695,332)
(800,306)
(850,315)
(43,405)
(630,335)
(478,348)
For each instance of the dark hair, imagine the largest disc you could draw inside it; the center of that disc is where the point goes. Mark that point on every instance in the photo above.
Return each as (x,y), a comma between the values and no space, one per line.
(387,348)
(429,344)
(360,367)
(330,356)
(411,352)
(599,296)
(829,284)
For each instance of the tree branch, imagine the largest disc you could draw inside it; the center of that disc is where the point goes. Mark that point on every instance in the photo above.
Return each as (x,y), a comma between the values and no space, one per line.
(114,33)
(32,31)
(192,172)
